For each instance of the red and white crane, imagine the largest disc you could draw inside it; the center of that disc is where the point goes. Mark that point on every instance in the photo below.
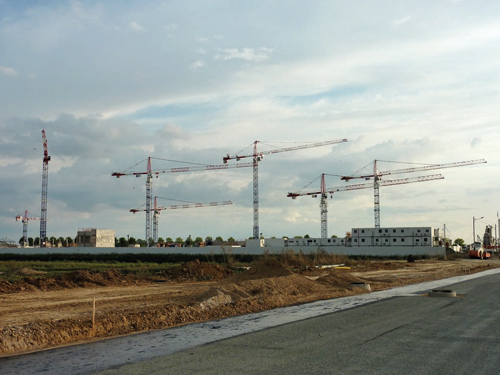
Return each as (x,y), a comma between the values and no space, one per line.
(25,219)
(377,178)
(45,184)
(324,192)
(149,181)
(186,204)
(257,156)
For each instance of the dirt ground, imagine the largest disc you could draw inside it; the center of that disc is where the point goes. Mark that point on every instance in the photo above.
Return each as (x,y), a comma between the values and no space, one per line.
(38,313)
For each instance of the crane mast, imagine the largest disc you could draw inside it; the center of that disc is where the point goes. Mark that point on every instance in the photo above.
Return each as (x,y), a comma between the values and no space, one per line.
(24,219)
(257,156)
(377,178)
(149,195)
(323,205)
(158,209)
(150,239)
(325,191)
(45,184)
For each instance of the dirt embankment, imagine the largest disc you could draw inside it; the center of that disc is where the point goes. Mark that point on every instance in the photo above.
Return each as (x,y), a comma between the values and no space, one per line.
(38,313)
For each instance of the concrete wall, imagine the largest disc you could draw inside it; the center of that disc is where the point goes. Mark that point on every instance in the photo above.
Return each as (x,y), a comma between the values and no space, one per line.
(252,250)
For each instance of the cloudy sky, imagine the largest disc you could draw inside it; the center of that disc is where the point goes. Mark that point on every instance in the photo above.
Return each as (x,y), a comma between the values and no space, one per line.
(115,82)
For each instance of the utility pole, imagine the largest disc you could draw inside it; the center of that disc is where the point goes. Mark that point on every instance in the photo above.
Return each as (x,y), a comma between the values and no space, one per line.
(444,230)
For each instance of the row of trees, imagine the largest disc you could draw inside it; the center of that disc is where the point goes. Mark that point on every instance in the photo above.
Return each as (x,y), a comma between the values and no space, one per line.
(131,241)
(68,241)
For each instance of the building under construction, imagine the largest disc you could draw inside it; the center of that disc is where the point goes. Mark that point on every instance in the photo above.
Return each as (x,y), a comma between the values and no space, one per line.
(92,237)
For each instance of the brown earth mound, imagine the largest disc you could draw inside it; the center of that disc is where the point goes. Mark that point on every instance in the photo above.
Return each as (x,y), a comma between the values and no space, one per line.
(340,279)
(261,269)
(27,272)
(197,270)
(75,279)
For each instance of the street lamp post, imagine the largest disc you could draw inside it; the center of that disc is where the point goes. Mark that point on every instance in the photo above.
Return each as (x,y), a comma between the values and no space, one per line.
(474,228)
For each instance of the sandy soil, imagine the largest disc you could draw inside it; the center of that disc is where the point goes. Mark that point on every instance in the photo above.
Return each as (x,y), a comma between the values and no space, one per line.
(39,313)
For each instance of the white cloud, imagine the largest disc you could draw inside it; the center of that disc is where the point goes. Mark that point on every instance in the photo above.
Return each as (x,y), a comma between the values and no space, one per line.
(248,54)
(426,93)
(401,21)
(7,71)
(134,25)
(197,65)
(171,26)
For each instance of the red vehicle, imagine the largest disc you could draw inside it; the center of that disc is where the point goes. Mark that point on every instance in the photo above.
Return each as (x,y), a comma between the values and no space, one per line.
(478,252)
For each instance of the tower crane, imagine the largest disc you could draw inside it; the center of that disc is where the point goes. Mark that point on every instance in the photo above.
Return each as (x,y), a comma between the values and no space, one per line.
(257,156)
(149,181)
(24,219)
(45,184)
(324,192)
(377,175)
(157,209)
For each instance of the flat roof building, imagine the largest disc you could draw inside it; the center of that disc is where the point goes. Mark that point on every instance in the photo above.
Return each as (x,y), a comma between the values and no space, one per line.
(93,237)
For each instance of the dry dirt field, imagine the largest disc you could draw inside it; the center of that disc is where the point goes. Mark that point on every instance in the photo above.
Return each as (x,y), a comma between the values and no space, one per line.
(38,313)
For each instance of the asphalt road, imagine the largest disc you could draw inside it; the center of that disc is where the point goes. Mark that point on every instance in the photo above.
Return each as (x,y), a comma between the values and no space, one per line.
(402,335)
(396,331)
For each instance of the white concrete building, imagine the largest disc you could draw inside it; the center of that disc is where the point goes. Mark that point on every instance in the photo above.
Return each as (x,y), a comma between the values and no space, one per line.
(93,237)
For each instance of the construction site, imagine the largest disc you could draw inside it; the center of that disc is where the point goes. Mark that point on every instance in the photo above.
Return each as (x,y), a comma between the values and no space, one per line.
(45,306)
(42,312)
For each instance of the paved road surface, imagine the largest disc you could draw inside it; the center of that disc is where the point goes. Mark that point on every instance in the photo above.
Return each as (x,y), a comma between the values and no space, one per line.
(405,335)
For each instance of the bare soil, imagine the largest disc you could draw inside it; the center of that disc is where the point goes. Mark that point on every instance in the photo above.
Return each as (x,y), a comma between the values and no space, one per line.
(38,312)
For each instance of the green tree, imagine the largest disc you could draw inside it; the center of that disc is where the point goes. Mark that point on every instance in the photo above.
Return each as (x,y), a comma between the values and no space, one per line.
(231,240)
(69,241)
(459,242)
(189,241)
(141,242)
(219,238)
(169,240)
(161,240)
(61,241)
(334,236)
(30,241)
(132,241)
(53,241)
(208,240)
(21,241)
(307,236)
(198,240)
(123,242)
(179,241)
(37,241)
(298,237)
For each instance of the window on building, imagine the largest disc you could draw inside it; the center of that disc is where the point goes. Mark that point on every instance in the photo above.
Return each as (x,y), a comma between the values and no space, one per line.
(427,231)
(402,230)
(387,231)
(425,239)
(402,240)
(355,231)
(394,231)
(362,240)
(355,240)
(386,240)
(329,240)
(418,230)
(376,239)
(380,230)
(393,240)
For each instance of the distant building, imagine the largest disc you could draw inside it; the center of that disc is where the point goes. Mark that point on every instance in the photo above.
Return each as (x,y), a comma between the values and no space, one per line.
(93,237)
